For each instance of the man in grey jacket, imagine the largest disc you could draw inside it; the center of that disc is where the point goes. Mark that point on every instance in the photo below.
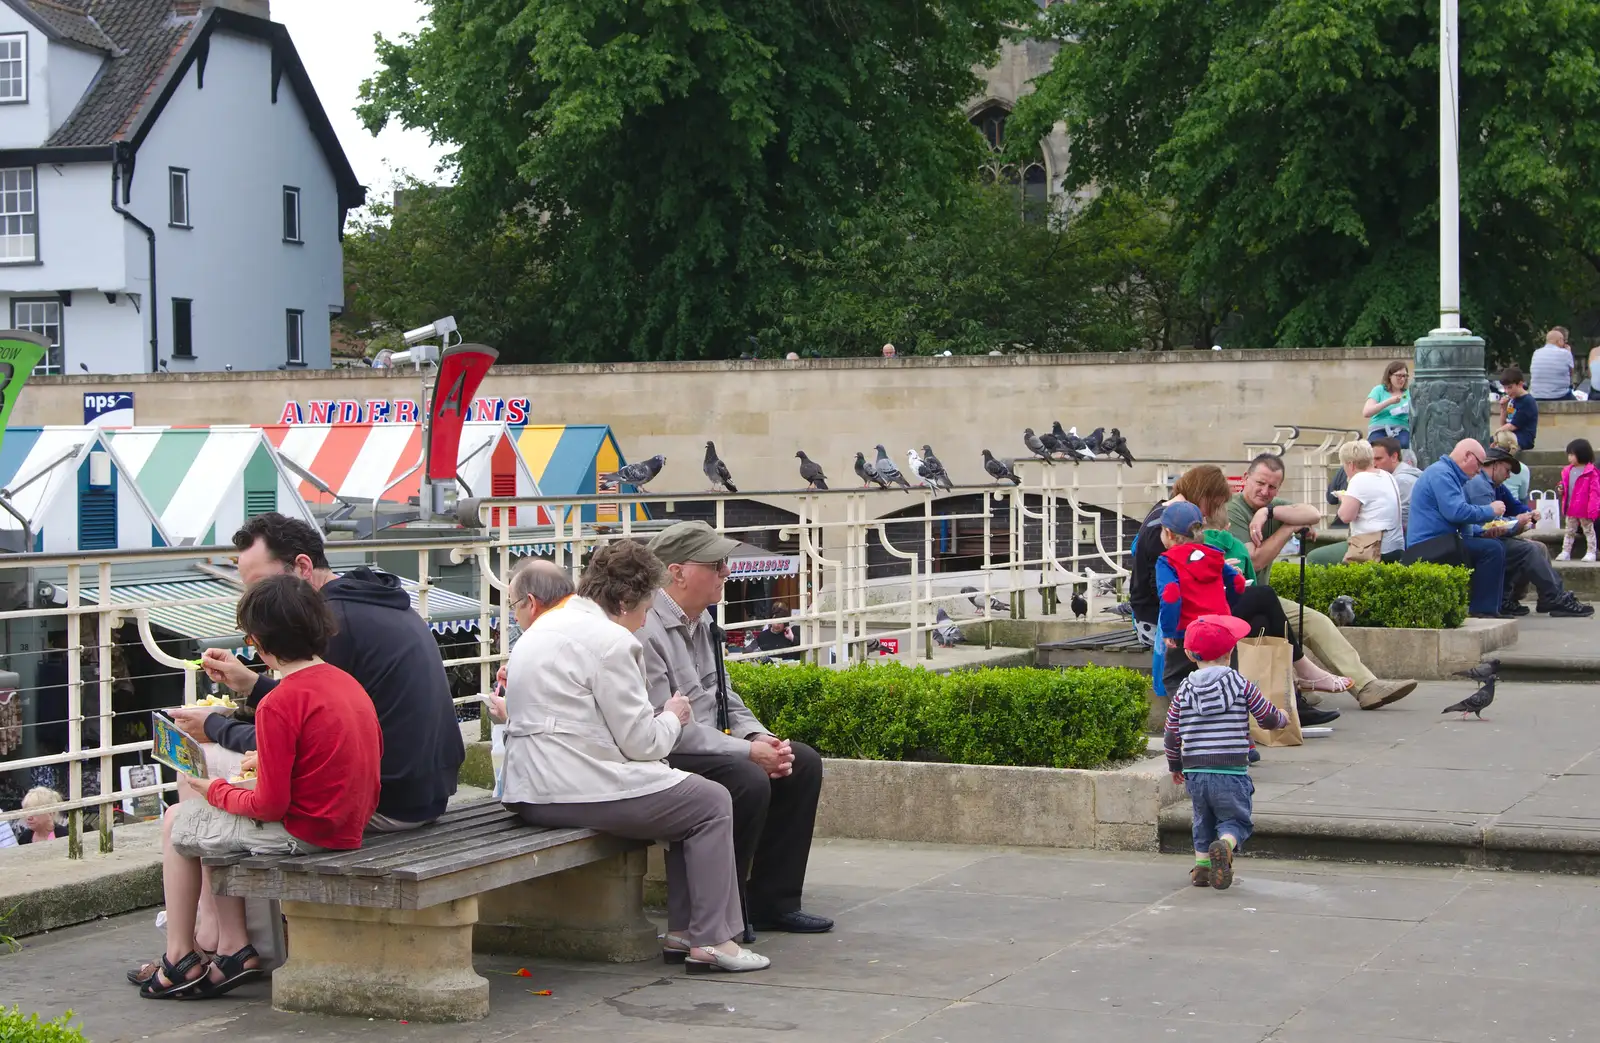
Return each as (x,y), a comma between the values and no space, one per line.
(774,783)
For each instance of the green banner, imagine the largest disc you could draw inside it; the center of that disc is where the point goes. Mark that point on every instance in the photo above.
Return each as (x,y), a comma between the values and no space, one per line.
(19,353)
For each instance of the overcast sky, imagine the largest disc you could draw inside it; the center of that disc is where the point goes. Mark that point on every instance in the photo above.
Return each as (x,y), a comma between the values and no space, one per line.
(334,38)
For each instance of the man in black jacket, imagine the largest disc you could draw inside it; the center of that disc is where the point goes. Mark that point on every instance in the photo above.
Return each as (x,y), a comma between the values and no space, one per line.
(380,642)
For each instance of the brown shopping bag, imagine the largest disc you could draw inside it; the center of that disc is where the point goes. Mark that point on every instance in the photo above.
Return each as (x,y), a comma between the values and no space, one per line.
(1268,663)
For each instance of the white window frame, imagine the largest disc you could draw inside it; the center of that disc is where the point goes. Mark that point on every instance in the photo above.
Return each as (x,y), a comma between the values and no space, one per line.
(175,175)
(19,215)
(290,192)
(21,60)
(54,361)
(294,332)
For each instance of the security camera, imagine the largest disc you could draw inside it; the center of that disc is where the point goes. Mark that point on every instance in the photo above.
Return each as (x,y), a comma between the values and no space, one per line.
(436,328)
(416,356)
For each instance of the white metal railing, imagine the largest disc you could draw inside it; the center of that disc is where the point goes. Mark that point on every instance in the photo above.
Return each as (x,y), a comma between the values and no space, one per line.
(1066,524)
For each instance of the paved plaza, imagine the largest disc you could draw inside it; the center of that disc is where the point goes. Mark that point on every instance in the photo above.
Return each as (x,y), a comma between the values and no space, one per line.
(948,945)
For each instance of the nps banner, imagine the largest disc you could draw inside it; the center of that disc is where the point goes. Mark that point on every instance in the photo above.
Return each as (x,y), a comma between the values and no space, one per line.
(461,369)
(20,351)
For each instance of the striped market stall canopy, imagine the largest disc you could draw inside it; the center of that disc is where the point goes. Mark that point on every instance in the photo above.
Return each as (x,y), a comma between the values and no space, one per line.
(568,460)
(73,493)
(366,462)
(203,482)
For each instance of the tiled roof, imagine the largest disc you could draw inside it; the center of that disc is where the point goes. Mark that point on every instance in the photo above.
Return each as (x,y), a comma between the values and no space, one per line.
(147,35)
(71,20)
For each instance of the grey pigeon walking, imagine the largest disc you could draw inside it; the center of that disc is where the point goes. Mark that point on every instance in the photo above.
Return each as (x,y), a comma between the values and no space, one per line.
(1343,611)
(716,470)
(932,465)
(888,471)
(977,600)
(868,474)
(945,632)
(1035,446)
(811,472)
(1488,670)
(999,470)
(637,475)
(1475,703)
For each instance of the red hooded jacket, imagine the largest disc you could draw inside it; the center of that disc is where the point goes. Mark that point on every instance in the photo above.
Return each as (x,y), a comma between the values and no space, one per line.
(1194,580)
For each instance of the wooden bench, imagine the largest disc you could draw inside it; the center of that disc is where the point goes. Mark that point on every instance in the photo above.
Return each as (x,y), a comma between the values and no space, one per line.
(388,930)
(1116,648)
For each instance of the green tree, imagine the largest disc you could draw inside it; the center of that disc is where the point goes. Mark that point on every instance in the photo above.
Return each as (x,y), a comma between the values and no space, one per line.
(677,153)
(1297,140)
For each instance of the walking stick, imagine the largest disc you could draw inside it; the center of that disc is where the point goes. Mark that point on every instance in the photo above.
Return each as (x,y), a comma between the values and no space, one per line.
(1304,536)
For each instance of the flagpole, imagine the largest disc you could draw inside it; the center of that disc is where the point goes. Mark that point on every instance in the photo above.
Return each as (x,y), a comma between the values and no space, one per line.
(1449,171)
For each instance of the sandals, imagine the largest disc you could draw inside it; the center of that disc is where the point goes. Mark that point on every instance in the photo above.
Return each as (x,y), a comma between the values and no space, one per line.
(1327,683)
(234,974)
(147,971)
(178,981)
(745,960)
(676,949)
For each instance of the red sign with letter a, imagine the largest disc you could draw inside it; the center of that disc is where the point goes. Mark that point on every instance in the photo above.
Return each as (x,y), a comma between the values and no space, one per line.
(461,369)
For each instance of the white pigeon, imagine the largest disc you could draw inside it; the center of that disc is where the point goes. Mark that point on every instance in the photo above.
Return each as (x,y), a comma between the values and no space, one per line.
(914,465)
(1083,450)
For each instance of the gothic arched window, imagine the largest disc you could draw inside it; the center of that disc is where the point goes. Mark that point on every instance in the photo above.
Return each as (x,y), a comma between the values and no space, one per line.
(1031,182)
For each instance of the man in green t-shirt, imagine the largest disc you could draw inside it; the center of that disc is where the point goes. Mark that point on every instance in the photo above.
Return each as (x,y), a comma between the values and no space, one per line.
(1263,522)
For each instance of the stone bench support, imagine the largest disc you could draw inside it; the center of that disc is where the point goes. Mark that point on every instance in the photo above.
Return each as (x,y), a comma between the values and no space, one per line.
(592,912)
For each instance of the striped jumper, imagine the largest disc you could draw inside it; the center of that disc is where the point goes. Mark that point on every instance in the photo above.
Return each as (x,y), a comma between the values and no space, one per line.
(1208,726)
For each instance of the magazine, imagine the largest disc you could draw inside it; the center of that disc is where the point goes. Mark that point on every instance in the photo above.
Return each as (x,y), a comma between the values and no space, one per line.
(174,749)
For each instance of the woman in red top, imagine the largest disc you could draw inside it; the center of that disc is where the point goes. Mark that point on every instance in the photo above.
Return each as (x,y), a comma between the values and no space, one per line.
(318,751)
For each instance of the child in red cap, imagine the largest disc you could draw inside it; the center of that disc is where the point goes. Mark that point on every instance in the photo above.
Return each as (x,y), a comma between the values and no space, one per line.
(1208,744)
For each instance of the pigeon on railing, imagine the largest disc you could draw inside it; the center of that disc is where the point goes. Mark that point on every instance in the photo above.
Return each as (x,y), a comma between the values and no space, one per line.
(868,474)
(999,470)
(888,471)
(1117,445)
(811,472)
(919,472)
(932,466)
(717,471)
(637,475)
(1035,446)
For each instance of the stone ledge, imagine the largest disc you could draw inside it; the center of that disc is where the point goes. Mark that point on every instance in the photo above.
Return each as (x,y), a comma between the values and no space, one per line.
(1428,655)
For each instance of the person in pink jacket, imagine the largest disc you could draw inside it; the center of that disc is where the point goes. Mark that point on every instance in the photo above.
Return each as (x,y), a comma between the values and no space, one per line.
(1580,497)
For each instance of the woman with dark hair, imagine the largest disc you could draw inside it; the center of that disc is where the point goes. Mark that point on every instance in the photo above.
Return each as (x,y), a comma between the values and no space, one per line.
(1388,406)
(585,748)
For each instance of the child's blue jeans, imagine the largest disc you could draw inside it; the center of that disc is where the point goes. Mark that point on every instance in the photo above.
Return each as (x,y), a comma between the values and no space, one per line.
(1221,805)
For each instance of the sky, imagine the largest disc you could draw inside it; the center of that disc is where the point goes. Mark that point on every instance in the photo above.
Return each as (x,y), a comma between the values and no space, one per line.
(334,38)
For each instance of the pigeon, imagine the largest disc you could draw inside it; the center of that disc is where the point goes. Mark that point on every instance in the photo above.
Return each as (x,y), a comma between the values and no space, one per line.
(1122,608)
(1035,446)
(1475,703)
(637,475)
(1080,607)
(811,472)
(888,471)
(1343,611)
(1488,670)
(1116,445)
(867,473)
(920,471)
(1076,446)
(1051,443)
(999,470)
(931,465)
(945,632)
(977,602)
(716,470)
(1095,443)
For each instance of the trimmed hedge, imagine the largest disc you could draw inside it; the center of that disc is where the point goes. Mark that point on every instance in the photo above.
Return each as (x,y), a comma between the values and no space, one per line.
(1426,596)
(14,1028)
(1019,716)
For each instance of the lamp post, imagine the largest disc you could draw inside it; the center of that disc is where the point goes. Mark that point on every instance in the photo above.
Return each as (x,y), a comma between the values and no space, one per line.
(1449,395)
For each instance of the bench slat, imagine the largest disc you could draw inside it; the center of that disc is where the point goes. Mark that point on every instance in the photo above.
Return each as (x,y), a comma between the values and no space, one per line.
(522,844)
(380,863)
(463,817)
(413,840)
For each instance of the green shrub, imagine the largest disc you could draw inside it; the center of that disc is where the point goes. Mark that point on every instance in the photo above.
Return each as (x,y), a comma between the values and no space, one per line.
(1014,716)
(14,1028)
(1386,595)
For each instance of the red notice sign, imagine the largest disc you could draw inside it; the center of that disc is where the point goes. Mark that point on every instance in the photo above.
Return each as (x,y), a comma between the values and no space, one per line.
(461,369)
(888,646)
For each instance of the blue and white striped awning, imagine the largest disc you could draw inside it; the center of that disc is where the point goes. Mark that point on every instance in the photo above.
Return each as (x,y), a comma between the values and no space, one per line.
(543,550)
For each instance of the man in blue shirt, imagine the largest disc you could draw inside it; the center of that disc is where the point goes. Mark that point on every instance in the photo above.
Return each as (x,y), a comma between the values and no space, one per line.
(1443,522)
(1527,562)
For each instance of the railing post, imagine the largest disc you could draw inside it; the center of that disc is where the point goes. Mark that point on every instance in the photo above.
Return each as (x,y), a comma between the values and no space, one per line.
(74,714)
(107,715)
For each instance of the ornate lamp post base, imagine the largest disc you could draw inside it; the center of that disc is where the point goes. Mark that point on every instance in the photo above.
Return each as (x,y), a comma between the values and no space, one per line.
(1449,394)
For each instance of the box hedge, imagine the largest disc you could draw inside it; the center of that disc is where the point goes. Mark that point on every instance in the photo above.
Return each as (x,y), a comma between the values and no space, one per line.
(1432,597)
(15,1028)
(1078,718)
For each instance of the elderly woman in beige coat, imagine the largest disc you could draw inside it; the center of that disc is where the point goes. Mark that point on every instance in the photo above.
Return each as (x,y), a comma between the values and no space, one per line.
(585,748)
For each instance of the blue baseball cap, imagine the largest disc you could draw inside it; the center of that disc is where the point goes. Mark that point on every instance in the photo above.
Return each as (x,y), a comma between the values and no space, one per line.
(1181,516)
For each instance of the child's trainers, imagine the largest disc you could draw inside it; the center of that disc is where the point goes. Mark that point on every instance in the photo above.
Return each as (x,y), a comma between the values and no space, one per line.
(1221,864)
(1200,876)
(1565,555)
(1589,557)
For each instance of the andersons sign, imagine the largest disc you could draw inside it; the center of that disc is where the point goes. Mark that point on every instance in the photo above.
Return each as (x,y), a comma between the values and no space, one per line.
(513,411)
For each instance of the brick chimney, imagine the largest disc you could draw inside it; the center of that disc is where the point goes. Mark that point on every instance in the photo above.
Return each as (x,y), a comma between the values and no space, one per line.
(253,8)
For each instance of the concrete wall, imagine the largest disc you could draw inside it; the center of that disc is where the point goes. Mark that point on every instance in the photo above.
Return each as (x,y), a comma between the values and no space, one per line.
(1183,405)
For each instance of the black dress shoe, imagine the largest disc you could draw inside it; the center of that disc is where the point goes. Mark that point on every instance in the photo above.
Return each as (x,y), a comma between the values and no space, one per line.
(797,922)
(1311,716)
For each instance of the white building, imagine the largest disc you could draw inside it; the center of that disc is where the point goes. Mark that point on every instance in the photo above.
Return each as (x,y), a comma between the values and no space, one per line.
(172,194)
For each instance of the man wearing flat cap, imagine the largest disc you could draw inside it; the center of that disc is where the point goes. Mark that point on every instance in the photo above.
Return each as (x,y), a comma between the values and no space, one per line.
(1527,562)
(774,783)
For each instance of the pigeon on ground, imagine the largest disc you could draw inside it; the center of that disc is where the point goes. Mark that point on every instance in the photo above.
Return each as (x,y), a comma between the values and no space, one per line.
(1035,446)
(945,632)
(811,472)
(933,466)
(1343,611)
(1116,445)
(868,474)
(1488,670)
(637,475)
(1475,703)
(999,470)
(920,473)
(977,600)
(717,471)
(1080,607)
(888,471)
(1095,443)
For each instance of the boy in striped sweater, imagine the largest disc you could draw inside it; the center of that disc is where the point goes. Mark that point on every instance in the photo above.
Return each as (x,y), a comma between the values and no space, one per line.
(1208,744)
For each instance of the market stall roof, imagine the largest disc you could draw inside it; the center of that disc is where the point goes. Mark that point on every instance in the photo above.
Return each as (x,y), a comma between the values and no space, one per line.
(45,475)
(366,462)
(568,459)
(204,482)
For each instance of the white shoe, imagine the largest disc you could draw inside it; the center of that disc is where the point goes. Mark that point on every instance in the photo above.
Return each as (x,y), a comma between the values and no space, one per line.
(1589,557)
(744,961)
(1565,555)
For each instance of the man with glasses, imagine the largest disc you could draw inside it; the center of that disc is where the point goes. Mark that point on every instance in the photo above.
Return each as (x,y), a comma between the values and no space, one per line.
(774,783)
(1442,519)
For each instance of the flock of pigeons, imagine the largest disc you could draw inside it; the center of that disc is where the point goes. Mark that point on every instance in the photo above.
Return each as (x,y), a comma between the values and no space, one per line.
(924,468)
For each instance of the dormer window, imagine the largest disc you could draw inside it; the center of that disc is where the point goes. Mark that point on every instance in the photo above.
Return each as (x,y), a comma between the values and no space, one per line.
(13,68)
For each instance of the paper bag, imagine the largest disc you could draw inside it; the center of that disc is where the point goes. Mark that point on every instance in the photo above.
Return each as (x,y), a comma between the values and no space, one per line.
(1548,506)
(1268,663)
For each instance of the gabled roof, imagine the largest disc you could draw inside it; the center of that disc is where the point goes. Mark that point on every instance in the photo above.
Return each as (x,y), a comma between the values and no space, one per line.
(66,20)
